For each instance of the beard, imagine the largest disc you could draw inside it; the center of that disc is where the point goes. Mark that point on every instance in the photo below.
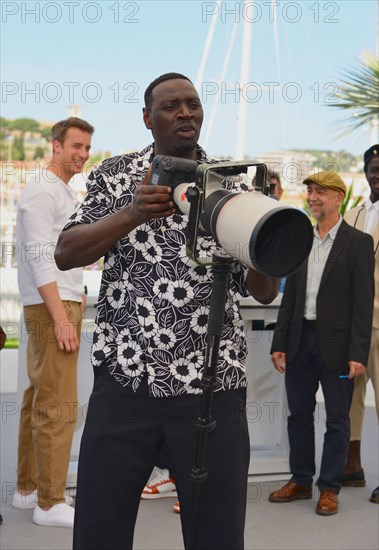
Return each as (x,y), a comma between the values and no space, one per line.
(185,147)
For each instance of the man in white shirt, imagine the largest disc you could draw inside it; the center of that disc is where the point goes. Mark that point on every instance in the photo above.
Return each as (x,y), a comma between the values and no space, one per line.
(52,306)
(322,337)
(366,218)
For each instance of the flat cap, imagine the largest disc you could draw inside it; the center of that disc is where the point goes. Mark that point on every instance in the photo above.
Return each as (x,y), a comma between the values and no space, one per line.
(330,180)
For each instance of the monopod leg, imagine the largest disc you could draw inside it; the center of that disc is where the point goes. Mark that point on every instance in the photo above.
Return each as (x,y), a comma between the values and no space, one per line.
(221,271)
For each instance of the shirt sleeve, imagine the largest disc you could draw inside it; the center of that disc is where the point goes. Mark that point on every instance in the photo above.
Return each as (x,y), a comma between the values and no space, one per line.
(38,229)
(97,203)
(109,187)
(239,280)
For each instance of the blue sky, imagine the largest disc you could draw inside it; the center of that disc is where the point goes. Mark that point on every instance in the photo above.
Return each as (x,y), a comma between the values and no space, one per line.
(103,54)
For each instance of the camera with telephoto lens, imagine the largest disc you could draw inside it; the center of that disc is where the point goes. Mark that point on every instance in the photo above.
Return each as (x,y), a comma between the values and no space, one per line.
(253,228)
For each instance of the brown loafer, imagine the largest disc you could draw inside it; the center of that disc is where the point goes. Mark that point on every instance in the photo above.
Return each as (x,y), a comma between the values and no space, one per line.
(291,491)
(327,503)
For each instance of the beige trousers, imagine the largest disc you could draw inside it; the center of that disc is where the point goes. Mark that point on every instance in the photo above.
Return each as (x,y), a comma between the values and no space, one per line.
(49,407)
(357,409)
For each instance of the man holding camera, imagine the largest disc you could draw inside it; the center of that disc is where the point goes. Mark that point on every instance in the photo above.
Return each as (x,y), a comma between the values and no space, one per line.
(149,342)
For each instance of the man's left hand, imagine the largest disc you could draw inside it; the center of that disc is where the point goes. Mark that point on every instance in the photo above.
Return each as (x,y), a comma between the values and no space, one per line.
(356,369)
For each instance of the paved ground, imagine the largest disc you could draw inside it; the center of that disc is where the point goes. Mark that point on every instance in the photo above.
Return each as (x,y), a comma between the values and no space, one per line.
(268,526)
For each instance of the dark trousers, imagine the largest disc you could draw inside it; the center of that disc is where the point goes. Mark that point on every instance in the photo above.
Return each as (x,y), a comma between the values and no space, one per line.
(164,461)
(303,376)
(123,435)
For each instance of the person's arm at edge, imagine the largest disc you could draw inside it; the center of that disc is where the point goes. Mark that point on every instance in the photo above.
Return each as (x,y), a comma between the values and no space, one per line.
(279,343)
(361,317)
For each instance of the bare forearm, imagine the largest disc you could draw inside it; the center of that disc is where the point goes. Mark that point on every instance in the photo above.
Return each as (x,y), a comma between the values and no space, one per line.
(65,332)
(52,300)
(84,244)
(263,288)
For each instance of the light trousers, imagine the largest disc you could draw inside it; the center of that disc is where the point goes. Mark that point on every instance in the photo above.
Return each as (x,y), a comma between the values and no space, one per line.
(49,407)
(357,410)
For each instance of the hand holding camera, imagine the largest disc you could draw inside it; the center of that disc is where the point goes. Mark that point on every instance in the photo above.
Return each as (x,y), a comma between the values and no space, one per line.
(151,202)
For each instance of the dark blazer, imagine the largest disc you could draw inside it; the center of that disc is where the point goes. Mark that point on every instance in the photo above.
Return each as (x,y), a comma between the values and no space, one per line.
(344,303)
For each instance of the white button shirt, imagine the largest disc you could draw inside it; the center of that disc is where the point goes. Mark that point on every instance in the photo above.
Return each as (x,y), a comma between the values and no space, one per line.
(316,264)
(44,208)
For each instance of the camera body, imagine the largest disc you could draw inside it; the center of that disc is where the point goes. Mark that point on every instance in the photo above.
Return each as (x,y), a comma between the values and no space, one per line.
(251,228)
(172,171)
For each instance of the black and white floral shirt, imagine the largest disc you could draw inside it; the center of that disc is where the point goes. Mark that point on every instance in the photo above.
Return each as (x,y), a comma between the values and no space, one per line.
(154,301)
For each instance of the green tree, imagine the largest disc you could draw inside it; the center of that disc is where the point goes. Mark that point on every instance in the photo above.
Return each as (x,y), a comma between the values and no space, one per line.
(358,94)
(24,125)
(18,152)
(46,133)
(39,153)
(4,123)
(3,134)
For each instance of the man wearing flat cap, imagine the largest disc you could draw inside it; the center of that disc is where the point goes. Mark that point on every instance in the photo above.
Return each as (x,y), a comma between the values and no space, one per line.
(366,218)
(322,336)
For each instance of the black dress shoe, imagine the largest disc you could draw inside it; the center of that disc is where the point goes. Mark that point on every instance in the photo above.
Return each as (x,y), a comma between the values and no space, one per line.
(375,496)
(355,479)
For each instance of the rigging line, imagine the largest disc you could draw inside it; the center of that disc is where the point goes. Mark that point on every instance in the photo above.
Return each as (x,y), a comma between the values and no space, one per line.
(278,72)
(207,47)
(244,76)
(299,118)
(221,79)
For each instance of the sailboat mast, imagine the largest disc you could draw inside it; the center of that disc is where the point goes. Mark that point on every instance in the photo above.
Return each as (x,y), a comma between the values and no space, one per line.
(244,79)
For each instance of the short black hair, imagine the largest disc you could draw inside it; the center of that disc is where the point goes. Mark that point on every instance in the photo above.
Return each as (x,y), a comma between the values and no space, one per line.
(167,76)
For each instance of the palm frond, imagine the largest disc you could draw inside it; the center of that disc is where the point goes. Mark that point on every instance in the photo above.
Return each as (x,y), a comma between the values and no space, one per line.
(359,92)
(348,201)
